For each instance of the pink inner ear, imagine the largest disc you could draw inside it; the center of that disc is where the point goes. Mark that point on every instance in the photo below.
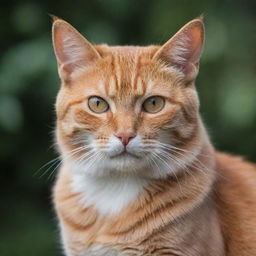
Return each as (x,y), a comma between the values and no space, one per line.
(58,39)
(184,49)
(69,50)
(72,50)
(196,44)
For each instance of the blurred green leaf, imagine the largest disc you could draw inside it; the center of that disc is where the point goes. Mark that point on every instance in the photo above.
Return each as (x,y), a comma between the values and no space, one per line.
(216,40)
(11,116)
(238,99)
(27,61)
(28,17)
(101,32)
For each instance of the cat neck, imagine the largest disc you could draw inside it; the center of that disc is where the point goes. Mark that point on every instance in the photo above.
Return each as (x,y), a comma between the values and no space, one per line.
(110,194)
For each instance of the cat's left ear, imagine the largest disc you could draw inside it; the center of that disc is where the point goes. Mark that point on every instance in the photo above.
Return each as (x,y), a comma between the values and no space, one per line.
(183,50)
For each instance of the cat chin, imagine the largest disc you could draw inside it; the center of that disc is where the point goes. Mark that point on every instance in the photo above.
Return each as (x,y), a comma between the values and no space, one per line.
(124,165)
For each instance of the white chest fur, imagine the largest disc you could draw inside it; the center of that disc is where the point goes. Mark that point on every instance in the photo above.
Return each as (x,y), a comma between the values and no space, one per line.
(108,194)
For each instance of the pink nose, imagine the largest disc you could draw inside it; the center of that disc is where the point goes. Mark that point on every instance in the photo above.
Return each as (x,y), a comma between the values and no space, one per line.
(125,137)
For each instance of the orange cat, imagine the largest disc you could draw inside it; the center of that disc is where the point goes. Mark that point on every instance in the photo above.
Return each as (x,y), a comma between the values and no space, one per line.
(139,175)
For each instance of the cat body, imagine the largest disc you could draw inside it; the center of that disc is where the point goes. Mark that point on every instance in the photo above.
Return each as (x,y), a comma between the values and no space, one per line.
(139,175)
(169,226)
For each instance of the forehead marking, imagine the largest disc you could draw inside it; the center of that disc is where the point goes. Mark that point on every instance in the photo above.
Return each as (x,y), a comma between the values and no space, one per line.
(149,85)
(117,73)
(136,72)
(112,87)
(140,87)
(102,88)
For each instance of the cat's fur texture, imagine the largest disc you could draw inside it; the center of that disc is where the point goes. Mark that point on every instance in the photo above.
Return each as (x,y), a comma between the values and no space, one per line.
(167,192)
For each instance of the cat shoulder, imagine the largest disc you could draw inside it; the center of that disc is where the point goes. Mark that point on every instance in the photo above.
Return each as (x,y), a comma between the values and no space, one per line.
(236,203)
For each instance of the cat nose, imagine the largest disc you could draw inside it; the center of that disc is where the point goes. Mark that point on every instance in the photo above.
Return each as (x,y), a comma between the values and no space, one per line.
(125,137)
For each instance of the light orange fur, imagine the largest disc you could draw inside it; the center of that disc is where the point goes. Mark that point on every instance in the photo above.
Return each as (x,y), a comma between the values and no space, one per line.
(236,199)
(203,207)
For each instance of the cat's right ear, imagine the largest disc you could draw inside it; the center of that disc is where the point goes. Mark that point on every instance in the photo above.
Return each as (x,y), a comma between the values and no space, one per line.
(73,52)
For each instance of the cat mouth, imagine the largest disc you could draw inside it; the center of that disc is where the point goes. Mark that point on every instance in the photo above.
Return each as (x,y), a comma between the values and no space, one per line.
(124,154)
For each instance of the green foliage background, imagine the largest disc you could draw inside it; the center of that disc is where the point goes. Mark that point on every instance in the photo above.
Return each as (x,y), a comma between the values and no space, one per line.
(29,83)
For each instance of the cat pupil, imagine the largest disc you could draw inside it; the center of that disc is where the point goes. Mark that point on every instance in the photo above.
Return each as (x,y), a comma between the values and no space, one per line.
(98,103)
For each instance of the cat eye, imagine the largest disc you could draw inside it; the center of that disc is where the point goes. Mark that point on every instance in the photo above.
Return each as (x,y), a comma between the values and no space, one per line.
(153,104)
(98,105)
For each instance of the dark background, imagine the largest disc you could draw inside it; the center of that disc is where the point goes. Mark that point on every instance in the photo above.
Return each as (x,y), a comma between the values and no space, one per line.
(29,83)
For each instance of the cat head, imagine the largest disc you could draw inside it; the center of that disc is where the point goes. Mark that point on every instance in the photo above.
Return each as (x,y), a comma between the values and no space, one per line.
(128,109)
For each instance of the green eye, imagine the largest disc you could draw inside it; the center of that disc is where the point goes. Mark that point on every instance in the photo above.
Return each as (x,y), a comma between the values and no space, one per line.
(98,105)
(153,104)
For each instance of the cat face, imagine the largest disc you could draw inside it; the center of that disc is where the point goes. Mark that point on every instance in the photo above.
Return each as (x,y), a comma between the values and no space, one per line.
(130,110)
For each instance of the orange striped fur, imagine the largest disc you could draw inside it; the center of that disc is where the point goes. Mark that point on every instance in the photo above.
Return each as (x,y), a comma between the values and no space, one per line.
(134,182)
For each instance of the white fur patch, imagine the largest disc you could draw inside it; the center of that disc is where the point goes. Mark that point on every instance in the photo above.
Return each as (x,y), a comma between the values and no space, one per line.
(108,194)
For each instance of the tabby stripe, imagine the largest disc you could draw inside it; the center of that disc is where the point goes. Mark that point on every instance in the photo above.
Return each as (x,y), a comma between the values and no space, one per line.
(135,80)
(70,220)
(69,105)
(153,215)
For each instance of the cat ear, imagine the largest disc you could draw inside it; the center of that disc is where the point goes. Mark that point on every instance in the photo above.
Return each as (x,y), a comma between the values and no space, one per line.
(184,49)
(72,50)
